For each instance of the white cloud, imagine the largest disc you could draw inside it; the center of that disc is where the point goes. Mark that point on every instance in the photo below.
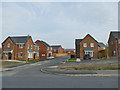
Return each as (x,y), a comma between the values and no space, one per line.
(60,23)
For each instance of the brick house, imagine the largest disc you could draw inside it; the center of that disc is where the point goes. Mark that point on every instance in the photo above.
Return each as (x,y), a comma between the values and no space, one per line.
(45,49)
(87,45)
(69,51)
(19,48)
(57,49)
(114,43)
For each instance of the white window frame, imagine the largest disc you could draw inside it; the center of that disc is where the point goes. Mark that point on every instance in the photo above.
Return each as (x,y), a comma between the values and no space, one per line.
(28,46)
(37,54)
(35,47)
(38,47)
(87,52)
(20,54)
(8,45)
(30,55)
(20,45)
(91,44)
(43,54)
(6,54)
(119,41)
(84,44)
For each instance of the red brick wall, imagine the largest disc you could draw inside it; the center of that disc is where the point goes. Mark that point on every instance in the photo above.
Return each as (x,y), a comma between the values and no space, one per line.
(43,50)
(60,50)
(113,45)
(88,39)
(4,47)
(17,50)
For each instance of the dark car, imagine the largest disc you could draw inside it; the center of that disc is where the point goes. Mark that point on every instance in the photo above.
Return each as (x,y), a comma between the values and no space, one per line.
(87,57)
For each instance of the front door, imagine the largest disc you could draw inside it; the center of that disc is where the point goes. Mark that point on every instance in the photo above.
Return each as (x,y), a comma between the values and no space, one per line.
(9,56)
(49,55)
(34,55)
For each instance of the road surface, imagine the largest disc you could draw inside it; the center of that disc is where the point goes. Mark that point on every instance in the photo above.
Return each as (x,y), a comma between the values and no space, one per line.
(30,76)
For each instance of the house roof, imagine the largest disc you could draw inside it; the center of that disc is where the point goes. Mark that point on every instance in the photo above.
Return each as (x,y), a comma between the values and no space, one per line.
(116,34)
(101,44)
(69,49)
(77,41)
(44,43)
(55,47)
(36,44)
(19,39)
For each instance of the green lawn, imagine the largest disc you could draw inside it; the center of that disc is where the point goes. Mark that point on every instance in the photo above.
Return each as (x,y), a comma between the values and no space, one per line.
(101,66)
(71,60)
(9,63)
(34,60)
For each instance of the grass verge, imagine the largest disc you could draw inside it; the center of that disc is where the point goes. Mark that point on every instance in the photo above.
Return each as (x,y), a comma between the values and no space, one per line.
(104,66)
(9,63)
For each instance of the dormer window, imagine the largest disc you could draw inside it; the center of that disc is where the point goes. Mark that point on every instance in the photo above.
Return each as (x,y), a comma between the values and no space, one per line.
(8,45)
(20,45)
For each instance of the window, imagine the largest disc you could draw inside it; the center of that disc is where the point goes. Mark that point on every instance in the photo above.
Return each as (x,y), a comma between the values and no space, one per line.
(51,48)
(111,42)
(84,44)
(30,55)
(31,46)
(20,54)
(48,48)
(5,54)
(21,46)
(8,44)
(90,53)
(28,46)
(54,50)
(35,47)
(37,54)
(91,44)
(43,54)
(119,41)
(38,47)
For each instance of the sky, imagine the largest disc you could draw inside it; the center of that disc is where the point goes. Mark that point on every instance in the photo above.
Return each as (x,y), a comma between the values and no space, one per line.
(59,22)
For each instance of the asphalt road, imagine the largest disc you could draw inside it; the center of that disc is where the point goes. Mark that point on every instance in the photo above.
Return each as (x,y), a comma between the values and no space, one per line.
(30,76)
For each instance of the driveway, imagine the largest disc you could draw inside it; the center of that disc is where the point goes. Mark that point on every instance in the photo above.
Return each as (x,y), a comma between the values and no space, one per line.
(30,76)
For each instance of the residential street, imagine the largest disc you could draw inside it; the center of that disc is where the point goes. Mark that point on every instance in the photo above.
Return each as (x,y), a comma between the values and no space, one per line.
(30,76)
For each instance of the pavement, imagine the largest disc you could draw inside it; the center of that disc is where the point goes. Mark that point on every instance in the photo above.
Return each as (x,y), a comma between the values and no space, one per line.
(30,76)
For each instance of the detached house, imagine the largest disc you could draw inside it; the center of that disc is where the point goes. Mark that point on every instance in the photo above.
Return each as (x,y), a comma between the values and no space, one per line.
(114,43)
(57,49)
(87,45)
(45,49)
(20,48)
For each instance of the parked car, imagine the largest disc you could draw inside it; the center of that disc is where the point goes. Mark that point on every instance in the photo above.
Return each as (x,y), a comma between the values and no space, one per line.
(87,57)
